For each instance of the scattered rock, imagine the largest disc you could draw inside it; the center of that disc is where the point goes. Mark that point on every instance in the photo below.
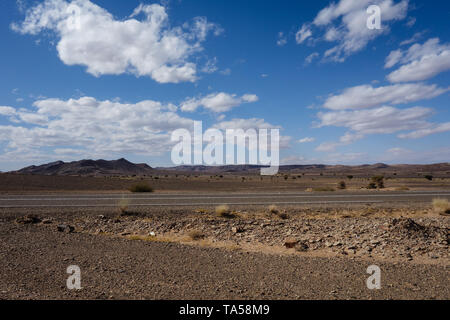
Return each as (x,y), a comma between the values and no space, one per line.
(301,246)
(290,243)
(237,230)
(65,228)
(29,219)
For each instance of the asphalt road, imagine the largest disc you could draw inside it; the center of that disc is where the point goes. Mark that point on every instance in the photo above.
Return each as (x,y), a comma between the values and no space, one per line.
(152,200)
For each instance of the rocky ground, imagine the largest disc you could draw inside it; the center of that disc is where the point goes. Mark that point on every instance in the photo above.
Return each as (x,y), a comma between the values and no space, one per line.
(272,242)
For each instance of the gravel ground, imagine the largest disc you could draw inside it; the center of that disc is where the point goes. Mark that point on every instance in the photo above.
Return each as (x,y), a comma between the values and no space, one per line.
(239,258)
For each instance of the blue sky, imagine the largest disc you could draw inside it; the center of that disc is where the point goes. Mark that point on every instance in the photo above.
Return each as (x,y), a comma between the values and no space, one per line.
(111,79)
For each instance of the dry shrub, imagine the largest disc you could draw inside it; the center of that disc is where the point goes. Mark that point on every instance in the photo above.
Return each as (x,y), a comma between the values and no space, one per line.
(123,205)
(342,185)
(273,209)
(224,211)
(323,189)
(196,235)
(283,215)
(441,206)
(141,187)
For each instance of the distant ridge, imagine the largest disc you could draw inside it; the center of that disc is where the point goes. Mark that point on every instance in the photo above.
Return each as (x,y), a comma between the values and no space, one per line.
(89,167)
(123,167)
(313,168)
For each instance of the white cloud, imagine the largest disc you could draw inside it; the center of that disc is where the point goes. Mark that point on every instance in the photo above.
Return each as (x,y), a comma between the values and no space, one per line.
(420,62)
(378,120)
(411,22)
(402,155)
(393,58)
(366,96)
(311,57)
(91,126)
(346,139)
(437,128)
(381,120)
(294,160)
(307,140)
(7,111)
(210,66)
(217,102)
(345,22)
(414,38)
(281,41)
(253,123)
(90,36)
(302,34)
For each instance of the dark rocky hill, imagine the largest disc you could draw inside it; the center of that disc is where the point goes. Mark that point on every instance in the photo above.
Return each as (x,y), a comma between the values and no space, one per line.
(121,167)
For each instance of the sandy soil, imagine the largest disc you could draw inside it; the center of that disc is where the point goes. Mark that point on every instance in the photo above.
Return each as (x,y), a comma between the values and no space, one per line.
(199,254)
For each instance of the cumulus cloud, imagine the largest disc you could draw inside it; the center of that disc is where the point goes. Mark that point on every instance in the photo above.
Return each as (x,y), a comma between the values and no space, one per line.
(345,23)
(245,124)
(302,34)
(91,126)
(253,123)
(420,61)
(217,102)
(282,40)
(307,140)
(381,120)
(437,128)
(384,119)
(90,36)
(402,155)
(366,96)
(346,139)
(393,58)
(414,38)
(311,57)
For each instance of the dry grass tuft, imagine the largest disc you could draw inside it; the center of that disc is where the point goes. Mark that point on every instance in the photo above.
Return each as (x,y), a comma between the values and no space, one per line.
(441,206)
(324,189)
(225,212)
(273,209)
(141,187)
(123,206)
(283,215)
(196,235)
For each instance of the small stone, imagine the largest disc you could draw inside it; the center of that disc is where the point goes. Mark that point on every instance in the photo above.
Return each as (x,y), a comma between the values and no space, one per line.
(65,228)
(301,246)
(290,243)
(29,219)
(237,230)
